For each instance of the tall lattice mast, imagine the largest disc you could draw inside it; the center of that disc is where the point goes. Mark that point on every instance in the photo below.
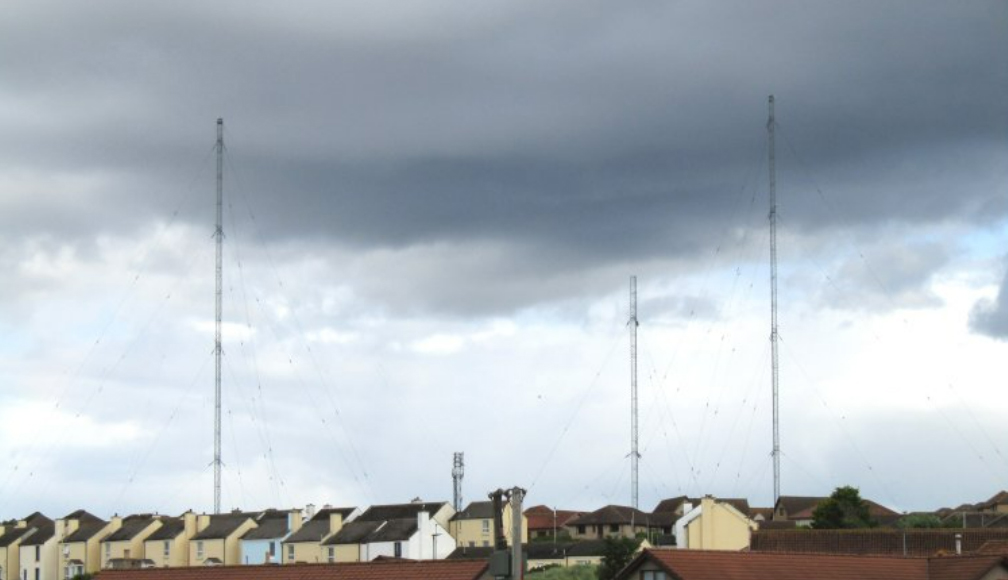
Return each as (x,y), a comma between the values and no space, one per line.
(219,235)
(634,455)
(458,470)
(773,302)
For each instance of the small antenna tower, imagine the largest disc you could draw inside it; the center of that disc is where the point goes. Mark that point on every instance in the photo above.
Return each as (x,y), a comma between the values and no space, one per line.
(458,470)
(773,302)
(634,455)
(219,235)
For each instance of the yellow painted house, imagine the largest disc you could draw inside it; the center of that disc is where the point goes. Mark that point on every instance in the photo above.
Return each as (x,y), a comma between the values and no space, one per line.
(13,533)
(168,546)
(80,536)
(473,526)
(219,542)
(611,521)
(305,545)
(124,546)
(714,525)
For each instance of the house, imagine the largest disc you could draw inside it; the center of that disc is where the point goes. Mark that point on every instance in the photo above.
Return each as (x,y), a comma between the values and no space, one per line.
(305,545)
(395,531)
(473,526)
(262,544)
(38,557)
(81,534)
(719,565)
(714,525)
(217,541)
(975,519)
(169,544)
(998,503)
(380,570)
(610,521)
(668,511)
(124,547)
(546,522)
(800,509)
(14,532)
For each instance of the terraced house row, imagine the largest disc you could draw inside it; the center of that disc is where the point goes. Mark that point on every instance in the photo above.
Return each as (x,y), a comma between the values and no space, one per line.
(39,548)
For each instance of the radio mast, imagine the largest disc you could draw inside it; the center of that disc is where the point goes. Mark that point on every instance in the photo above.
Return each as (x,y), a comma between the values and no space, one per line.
(773,303)
(219,235)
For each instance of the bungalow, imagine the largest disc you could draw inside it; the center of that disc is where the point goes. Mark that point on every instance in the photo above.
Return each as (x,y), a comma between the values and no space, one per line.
(610,521)
(218,543)
(473,526)
(13,533)
(800,509)
(261,545)
(80,550)
(718,565)
(124,547)
(305,545)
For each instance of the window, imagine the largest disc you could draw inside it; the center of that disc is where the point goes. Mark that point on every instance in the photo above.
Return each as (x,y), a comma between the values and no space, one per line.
(398,549)
(652,575)
(290,552)
(199,550)
(38,573)
(486,543)
(332,554)
(581,529)
(486,526)
(272,550)
(472,544)
(166,548)
(613,527)
(108,550)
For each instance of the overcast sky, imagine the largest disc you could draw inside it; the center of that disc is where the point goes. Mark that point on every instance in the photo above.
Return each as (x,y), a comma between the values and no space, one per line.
(432,212)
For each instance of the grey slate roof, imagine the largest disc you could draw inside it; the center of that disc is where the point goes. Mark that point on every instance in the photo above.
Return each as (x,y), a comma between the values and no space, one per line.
(400,511)
(612,515)
(169,530)
(353,532)
(41,535)
(131,527)
(85,532)
(398,530)
(222,526)
(12,535)
(318,527)
(477,510)
(269,529)
(82,516)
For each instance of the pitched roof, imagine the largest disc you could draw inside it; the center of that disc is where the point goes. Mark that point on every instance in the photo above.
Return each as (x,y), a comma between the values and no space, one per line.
(169,530)
(400,511)
(13,534)
(354,532)
(389,569)
(85,531)
(1000,497)
(394,531)
(82,516)
(221,526)
(612,514)
(676,503)
(477,510)
(312,531)
(269,528)
(41,535)
(541,517)
(130,528)
(793,504)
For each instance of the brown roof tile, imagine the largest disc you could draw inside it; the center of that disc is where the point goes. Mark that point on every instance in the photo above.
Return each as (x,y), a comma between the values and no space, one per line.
(379,570)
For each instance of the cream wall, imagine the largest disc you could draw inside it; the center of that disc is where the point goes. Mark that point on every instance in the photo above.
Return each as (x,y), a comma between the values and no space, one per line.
(210,549)
(178,551)
(347,552)
(132,548)
(479,532)
(309,552)
(719,527)
(45,563)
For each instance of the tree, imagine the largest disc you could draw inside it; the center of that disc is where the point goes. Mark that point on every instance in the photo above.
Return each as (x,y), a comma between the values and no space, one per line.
(844,509)
(910,521)
(616,554)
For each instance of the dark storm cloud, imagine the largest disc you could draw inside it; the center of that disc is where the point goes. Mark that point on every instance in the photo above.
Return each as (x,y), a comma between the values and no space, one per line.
(990,317)
(577,134)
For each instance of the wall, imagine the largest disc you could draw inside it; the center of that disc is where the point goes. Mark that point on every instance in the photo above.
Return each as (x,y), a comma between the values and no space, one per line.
(46,563)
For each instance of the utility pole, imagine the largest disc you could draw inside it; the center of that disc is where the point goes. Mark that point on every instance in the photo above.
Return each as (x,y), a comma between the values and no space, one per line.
(219,235)
(517,562)
(458,471)
(502,564)
(634,455)
(773,301)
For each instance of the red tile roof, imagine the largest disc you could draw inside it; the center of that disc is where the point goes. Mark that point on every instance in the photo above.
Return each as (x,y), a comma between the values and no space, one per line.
(378,570)
(721,565)
(926,542)
(541,517)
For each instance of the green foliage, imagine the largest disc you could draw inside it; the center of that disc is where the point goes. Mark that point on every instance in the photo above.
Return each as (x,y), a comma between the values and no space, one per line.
(85,576)
(556,572)
(910,521)
(616,554)
(844,509)
(563,536)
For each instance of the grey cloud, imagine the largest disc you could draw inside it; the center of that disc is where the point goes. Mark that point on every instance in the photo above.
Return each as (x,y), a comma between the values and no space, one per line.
(990,317)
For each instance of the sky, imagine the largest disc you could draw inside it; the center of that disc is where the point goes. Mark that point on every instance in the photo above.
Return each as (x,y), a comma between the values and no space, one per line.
(432,212)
